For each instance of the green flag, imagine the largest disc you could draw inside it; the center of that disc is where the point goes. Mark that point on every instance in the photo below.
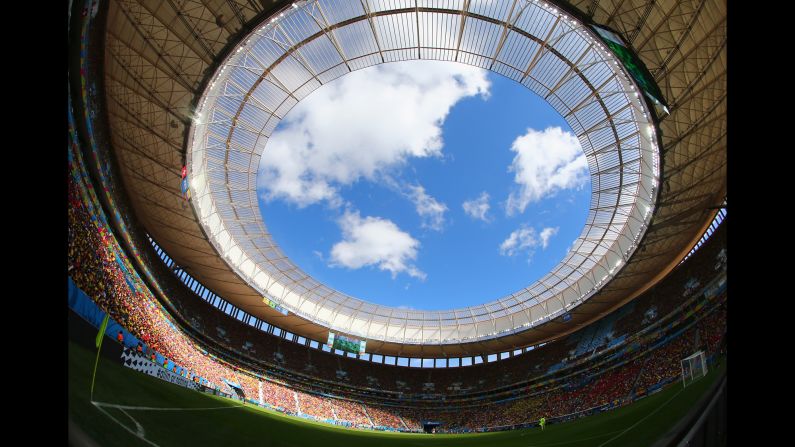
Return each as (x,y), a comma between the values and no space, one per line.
(100,336)
(102,329)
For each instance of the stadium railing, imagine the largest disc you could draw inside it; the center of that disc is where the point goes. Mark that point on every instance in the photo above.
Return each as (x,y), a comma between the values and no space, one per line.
(704,424)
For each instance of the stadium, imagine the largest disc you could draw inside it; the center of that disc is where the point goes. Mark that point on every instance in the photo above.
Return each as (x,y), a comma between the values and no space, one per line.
(189,324)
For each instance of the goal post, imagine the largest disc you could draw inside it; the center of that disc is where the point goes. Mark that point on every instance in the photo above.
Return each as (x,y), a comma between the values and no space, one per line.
(694,367)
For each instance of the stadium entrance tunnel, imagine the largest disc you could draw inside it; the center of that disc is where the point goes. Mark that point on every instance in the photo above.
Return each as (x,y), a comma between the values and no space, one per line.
(557,55)
(239,393)
(430,426)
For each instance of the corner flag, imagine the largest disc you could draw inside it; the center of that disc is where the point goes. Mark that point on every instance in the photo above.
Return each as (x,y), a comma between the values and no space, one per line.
(100,337)
(101,332)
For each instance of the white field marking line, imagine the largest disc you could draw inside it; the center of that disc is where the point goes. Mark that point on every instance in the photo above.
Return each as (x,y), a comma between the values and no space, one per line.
(574,440)
(138,427)
(134,433)
(646,417)
(131,407)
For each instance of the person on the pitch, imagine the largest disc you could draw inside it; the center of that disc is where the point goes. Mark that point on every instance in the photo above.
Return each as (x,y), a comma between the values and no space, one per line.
(542,422)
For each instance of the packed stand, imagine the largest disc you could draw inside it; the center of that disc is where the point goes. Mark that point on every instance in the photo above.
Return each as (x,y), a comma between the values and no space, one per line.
(384,417)
(350,411)
(318,407)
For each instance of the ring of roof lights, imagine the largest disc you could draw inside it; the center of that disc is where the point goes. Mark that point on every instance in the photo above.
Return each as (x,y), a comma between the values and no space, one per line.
(313,42)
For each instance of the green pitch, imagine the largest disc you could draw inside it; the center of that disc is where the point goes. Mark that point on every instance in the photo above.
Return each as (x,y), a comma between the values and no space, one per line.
(134,415)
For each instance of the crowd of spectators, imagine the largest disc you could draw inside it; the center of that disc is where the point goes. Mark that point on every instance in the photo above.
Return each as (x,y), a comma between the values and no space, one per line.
(665,364)
(98,266)
(316,406)
(351,411)
(667,295)
(279,396)
(385,417)
(581,393)
(714,329)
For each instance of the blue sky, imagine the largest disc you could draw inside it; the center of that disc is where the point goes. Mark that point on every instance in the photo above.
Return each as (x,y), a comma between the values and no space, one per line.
(426,185)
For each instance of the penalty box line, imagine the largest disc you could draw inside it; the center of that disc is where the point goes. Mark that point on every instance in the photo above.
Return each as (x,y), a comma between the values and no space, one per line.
(640,421)
(132,407)
(573,441)
(139,432)
(601,435)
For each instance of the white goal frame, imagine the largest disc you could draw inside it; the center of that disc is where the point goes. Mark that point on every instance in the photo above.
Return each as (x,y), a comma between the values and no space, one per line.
(694,367)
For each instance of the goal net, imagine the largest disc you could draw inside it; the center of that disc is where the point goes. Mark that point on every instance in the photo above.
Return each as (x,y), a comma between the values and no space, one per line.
(694,367)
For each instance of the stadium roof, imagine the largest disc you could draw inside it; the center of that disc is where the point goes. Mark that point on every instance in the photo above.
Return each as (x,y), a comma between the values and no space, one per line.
(159,72)
(314,42)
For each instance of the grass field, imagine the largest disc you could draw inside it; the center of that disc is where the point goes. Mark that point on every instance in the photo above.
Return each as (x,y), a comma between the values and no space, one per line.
(169,415)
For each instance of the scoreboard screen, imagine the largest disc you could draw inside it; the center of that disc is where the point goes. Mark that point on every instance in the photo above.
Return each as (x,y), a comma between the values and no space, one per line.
(347,344)
(634,67)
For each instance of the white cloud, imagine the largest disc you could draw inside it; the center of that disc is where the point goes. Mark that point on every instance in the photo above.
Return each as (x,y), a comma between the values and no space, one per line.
(546,235)
(546,162)
(364,124)
(374,241)
(430,210)
(477,208)
(526,239)
(523,239)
